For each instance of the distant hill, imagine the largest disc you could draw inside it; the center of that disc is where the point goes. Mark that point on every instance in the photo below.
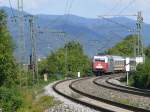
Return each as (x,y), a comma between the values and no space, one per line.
(85,30)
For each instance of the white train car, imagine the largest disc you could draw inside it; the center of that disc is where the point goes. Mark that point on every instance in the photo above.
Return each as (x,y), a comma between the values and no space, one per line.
(119,63)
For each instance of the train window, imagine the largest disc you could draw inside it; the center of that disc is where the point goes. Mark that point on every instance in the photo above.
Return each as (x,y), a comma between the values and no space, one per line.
(101,60)
(110,60)
(132,62)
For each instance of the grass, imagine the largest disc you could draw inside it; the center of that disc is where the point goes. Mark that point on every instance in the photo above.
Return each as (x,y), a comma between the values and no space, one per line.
(32,103)
(40,105)
(124,101)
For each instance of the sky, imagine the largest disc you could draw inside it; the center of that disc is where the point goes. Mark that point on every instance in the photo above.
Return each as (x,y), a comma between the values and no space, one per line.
(85,8)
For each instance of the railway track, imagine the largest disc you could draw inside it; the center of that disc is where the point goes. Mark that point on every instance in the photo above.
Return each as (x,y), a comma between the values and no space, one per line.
(127,87)
(108,82)
(64,88)
(85,92)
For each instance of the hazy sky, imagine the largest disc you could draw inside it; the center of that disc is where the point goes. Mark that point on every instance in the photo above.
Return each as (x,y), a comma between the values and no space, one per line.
(84,8)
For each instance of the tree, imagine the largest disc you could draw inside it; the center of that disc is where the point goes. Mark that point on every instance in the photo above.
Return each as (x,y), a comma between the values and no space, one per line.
(125,47)
(141,77)
(10,99)
(76,61)
(147,51)
(8,67)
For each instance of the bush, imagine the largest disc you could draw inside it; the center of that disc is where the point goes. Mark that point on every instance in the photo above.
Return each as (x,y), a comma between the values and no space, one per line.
(10,99)
(141,78)
(57,63)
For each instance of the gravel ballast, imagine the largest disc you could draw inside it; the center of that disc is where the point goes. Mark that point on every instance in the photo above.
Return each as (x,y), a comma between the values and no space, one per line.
(67,105)
(89,87)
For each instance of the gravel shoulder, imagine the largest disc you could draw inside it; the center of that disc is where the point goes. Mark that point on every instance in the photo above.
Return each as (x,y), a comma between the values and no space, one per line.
(66,105)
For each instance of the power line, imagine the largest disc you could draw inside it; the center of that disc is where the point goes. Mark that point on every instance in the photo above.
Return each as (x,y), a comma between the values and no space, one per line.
(109,20)
(11,8)
(117,4)
(66,6)
(129,4)
(70,6)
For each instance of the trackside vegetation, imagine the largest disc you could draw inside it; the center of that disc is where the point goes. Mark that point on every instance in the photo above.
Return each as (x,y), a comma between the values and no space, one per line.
(66,62)
(124,48)
(141,77)
(10,99)
(18,93)
(13,96)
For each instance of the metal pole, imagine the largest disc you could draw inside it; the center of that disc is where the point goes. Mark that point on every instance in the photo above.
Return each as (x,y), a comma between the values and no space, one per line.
(21,40)
(127,78)
(66,55)
(33,49)
(139,43)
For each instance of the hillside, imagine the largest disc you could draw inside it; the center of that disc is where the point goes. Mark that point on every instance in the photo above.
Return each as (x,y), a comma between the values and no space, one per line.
(85,30)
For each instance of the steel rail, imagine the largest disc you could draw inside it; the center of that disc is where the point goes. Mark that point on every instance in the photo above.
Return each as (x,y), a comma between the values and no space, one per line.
(120,88)
(127,87)
(77,100)
(125,106)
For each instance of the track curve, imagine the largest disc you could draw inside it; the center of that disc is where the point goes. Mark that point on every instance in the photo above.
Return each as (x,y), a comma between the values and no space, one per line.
(88,88)
(63,88)
(107,82)
(128,87)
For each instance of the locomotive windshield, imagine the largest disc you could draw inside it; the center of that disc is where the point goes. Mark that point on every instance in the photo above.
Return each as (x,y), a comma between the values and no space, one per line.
(100,60)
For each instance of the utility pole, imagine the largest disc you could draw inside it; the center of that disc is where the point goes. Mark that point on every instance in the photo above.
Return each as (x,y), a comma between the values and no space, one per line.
(138,45)
(21,40)
(21,32)
(139,41)
(66,53)
(33,56)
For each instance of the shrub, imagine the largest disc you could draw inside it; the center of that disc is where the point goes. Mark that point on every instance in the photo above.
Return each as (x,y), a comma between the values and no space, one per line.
(141,78)
(10,99)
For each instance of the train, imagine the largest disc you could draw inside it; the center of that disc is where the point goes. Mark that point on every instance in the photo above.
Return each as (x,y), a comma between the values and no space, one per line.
(111,63)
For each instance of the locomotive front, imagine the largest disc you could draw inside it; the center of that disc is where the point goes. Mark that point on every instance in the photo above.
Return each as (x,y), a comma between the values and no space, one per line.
(100,64)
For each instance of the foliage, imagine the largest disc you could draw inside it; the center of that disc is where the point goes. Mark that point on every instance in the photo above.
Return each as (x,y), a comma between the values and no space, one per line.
(10,99)
(125,47)
(141,78)
(68,60)
(8,67)
(13,98)
(147,52)
(40,104)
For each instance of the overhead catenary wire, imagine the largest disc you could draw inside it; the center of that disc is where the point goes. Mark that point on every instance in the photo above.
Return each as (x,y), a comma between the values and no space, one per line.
(119,14)
(70,6)
(114,7)
(10,4)
(68,9)
(122,25)
(127,6)
(109,20)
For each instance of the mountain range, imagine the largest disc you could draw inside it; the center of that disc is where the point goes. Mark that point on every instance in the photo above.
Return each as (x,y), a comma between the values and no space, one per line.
(95,35)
